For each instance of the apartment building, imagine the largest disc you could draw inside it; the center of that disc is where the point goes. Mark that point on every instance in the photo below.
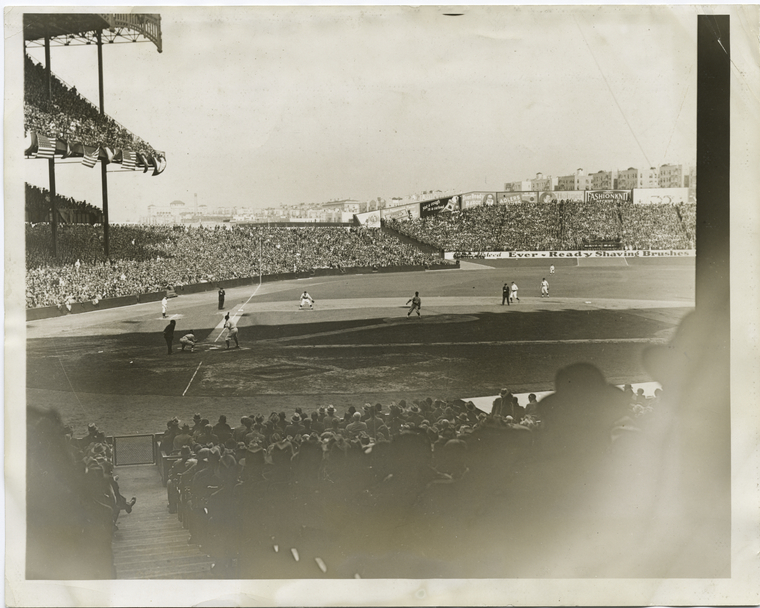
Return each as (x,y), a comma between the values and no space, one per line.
(576,181)
(541,183)
(673,176)
(604,180)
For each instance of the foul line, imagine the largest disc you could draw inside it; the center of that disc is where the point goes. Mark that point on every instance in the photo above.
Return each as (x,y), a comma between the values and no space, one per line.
(486,343)
(191,379)
(236,315)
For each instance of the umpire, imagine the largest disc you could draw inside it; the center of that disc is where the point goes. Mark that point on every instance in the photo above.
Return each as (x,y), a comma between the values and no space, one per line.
(169,335)
(505,294)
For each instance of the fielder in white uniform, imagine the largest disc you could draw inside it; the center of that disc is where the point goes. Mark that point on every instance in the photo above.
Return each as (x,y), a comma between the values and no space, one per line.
(514,292)
(544,288)
(306,299)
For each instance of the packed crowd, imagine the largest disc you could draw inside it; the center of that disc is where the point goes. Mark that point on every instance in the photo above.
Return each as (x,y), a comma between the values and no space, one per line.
(656,226)
(221,475)
(561,225)
(37,208)
(590,220)
(73,500)
(146,259)
(70,116)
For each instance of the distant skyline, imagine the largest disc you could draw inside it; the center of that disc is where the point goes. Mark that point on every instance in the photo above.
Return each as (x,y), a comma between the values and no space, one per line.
(270,106)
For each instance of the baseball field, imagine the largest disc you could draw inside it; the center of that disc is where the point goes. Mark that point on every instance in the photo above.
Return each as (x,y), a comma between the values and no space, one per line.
(357,345)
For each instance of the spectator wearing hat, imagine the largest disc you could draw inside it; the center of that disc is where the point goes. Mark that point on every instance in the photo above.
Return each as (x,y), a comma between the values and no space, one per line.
(200,428)
(295,427)
(197,423)
(329,416)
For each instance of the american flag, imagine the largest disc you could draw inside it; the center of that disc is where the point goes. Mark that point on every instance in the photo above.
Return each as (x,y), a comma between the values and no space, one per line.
(143,161)
(45,147)
(90,156)
(128,159)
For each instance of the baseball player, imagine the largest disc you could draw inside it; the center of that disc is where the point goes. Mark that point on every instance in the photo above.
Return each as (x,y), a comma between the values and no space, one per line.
(514,292)
(189,340)
(416,304)
(306,299)
(544,288)
(232,331)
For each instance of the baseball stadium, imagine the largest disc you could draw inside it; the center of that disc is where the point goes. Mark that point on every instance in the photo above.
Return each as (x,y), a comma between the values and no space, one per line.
(448,389)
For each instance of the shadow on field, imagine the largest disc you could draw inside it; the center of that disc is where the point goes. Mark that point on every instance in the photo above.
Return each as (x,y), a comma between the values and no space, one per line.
(459,353)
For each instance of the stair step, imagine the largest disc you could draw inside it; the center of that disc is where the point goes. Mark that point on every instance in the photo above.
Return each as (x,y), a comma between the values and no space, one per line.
(151,543)
(164,560)
(166,570)
(141,548)
(158,556)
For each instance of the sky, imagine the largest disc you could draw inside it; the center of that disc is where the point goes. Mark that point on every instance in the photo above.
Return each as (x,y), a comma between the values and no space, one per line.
(270,106)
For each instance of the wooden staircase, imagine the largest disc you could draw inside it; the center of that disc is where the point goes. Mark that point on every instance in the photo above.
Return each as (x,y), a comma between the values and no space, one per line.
(151,542)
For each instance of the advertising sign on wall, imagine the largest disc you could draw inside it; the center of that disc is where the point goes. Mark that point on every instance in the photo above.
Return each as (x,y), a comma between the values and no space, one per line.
(636,253)
(410,211)
(475,199)
(660,196)
(608,196)
(511,198)
(370,219)
(554,196)
(428,208)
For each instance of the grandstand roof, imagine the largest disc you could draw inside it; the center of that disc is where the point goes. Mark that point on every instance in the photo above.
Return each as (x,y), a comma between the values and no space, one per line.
(40,25)
(65,28)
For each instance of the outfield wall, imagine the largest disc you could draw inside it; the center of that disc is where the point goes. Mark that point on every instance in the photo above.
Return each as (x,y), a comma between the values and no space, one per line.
(514,255)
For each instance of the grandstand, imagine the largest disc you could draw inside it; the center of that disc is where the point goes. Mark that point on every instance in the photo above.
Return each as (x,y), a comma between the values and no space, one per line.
(556,226)
(59,121)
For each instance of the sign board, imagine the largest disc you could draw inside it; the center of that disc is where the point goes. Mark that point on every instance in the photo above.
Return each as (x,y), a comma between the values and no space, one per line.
(370,219)
(608,196)
(476,199)
(511,255)
(410,211)
(450,204)
(660,196)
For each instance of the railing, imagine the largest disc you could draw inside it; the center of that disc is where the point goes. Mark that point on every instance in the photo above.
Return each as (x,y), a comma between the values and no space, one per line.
(134,449)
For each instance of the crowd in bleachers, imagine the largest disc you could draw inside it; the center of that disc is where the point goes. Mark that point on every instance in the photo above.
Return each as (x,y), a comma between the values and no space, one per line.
(73,500)
(656,226)
(287,473)
(561,225)
(38,207)
(69,115)
(145,259)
